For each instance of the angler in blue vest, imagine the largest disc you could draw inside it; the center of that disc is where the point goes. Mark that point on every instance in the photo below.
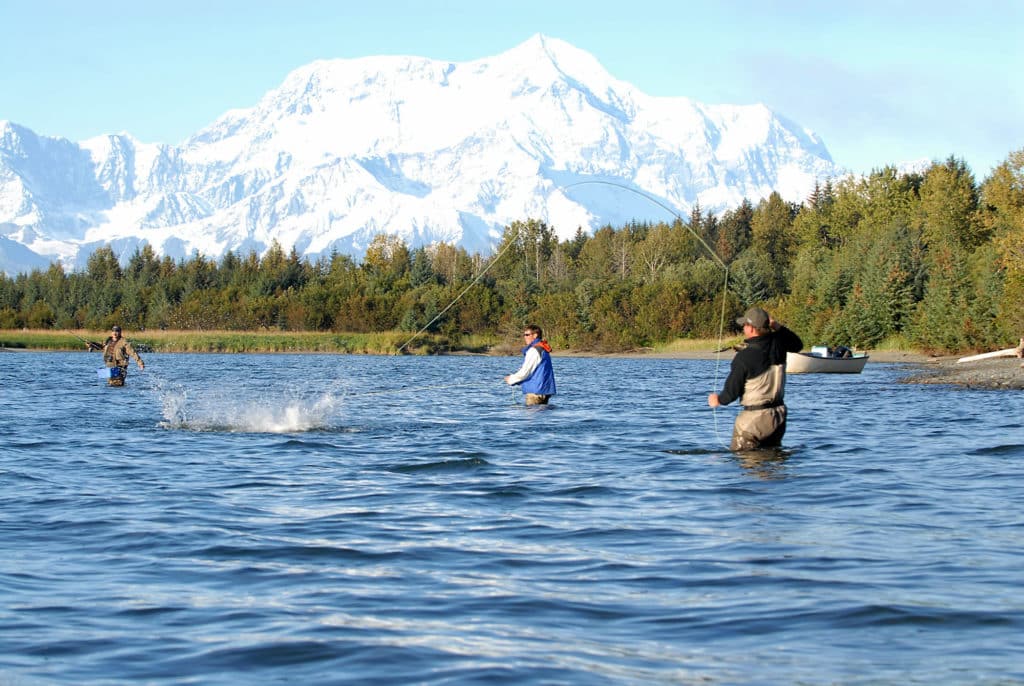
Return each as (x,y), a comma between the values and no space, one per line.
(536,377)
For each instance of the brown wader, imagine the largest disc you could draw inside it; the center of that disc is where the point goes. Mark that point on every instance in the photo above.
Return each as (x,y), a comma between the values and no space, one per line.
(759,428)
(762,422)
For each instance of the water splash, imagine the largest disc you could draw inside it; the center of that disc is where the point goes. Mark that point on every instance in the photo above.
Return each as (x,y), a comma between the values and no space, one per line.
(224,411)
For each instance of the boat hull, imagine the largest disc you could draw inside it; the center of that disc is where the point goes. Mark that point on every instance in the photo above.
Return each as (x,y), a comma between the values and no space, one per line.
(806,363)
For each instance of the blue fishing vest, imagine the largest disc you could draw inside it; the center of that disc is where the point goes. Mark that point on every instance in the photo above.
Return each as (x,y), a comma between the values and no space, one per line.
(542,381)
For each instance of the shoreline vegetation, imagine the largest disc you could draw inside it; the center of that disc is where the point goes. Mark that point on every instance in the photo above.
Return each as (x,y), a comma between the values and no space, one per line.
(999,373)
(224,341)
(380,343)
(923,261)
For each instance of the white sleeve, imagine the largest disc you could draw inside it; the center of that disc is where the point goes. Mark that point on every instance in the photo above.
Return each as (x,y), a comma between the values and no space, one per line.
(530,363)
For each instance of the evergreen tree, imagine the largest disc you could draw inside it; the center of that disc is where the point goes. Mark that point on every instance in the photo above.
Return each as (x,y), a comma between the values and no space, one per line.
(734,232)
(772,235)
(938,321)
(949,206)
(1002,199)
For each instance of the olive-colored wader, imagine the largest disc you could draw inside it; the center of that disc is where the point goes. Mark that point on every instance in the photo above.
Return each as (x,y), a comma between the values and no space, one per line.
(117,354)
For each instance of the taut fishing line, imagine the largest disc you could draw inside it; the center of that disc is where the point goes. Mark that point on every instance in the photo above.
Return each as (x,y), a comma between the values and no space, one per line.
(472,283)
(712,253)
(440,314)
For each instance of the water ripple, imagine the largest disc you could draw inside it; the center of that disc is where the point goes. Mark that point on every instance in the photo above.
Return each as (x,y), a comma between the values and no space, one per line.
(255,532)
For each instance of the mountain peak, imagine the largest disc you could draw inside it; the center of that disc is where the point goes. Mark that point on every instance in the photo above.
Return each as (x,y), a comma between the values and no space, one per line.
(541,48)
(543,57)
(425,149)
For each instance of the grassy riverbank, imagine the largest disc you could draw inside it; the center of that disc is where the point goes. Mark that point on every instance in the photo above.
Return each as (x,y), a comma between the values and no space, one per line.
(386,343)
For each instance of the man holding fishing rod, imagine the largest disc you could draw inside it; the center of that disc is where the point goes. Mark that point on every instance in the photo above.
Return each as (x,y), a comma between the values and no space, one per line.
(117,351)
(758,377)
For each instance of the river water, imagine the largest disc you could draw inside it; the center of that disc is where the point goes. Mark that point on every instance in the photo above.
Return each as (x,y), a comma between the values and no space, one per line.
(316,519)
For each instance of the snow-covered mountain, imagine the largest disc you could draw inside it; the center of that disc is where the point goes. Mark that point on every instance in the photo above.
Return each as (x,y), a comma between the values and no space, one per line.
(428,150)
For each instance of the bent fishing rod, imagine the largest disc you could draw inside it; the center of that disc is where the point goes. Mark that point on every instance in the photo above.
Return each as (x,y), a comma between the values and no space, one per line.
(92,345)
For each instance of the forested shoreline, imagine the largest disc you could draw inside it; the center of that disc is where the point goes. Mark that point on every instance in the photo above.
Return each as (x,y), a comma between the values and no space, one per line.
(931,260)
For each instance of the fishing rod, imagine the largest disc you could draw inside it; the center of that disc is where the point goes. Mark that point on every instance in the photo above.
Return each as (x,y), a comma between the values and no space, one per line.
(93,345)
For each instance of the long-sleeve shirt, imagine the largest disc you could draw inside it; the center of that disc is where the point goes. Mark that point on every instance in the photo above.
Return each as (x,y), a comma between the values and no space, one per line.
(531,360)
(117,353)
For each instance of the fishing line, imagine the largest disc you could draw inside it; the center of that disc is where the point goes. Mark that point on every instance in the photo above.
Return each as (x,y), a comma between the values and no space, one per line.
(477,278)
(409,389)
(712,253)
(659,204)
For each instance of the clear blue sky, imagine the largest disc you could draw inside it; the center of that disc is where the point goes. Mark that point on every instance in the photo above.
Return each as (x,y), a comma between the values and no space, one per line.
(880,81)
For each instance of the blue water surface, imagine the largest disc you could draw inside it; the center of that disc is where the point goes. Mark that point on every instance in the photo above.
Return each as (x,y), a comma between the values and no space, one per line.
(320,519)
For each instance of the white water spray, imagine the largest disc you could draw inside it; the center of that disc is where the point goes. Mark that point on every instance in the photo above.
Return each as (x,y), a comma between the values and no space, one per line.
(223,411)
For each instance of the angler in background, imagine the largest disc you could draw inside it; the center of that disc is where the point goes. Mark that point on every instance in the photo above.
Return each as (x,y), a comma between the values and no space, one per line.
(117,351)
(536,377)
(758,378)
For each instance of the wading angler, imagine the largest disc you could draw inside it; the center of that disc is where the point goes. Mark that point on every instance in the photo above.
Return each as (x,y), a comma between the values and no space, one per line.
(117,352)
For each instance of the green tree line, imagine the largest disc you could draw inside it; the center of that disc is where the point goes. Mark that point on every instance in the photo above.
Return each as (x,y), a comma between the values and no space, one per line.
(932,260)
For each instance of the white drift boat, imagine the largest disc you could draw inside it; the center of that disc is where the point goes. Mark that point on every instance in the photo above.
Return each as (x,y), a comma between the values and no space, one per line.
(822,360)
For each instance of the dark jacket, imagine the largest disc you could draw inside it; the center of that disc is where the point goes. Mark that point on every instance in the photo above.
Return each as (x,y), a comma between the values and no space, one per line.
(758,371)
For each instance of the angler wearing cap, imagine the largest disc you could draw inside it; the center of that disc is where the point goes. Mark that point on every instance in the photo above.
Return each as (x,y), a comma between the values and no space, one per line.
(117,351)
(758,379)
